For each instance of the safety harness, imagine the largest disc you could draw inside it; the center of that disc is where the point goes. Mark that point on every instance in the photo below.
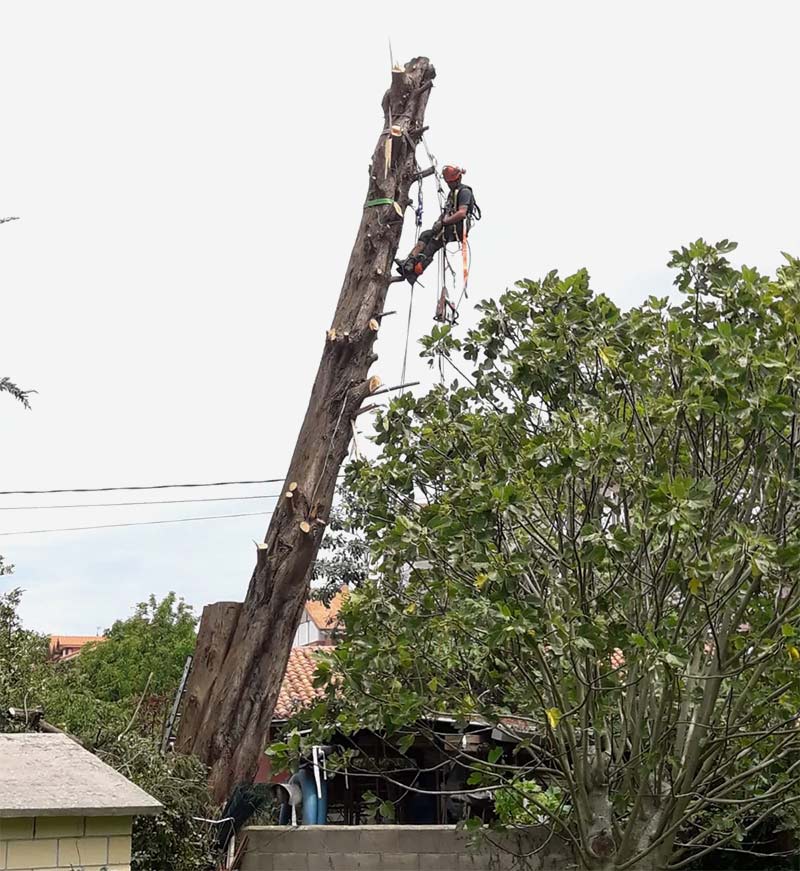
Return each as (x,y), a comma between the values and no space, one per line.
(473,210)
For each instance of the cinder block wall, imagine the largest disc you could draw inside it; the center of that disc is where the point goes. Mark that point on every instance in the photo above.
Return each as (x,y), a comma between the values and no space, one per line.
(392,848)
(65,843)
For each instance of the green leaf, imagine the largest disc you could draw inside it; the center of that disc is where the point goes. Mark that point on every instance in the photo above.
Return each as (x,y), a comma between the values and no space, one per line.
(405,742)
(673,661)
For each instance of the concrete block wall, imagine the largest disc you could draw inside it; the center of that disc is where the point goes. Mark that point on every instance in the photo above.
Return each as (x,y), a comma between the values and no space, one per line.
(393,848)
(65,844)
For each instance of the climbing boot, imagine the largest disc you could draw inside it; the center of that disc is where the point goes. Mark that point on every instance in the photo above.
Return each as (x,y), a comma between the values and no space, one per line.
(412,267)
(406,268)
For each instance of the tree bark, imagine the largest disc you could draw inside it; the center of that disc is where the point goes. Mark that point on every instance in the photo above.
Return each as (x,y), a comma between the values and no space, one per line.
(235,682)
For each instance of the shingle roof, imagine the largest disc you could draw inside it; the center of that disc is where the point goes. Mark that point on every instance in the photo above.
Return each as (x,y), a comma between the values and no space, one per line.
(51,775)
(326,617)
(297,690)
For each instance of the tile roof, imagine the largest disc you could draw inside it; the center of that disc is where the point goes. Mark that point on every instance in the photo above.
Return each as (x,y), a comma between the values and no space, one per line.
(66,642)
(75,640)
(297,690)
(326,617)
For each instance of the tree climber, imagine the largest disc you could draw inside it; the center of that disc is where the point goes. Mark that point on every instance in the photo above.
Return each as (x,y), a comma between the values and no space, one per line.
(452,226)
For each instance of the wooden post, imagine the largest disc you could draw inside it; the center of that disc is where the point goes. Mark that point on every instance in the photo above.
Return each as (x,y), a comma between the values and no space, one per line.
(242,653)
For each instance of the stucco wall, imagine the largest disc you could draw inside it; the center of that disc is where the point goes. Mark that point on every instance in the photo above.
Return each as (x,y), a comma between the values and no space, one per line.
(390,848)
(65,843)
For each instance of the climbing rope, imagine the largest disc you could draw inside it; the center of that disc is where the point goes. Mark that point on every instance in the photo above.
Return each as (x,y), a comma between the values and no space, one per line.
(408,333)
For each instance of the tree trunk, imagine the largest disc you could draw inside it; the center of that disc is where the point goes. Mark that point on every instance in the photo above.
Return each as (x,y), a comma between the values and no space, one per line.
(235,683)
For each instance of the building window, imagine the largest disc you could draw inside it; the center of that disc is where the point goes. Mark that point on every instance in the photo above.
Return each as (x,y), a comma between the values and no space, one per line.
(306,632)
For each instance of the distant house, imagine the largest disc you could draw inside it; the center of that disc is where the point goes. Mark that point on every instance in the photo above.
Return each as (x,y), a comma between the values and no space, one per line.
(320,623)
(62,808)
(64,647)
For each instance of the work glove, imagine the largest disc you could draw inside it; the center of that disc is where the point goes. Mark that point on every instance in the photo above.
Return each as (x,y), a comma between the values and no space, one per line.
(437,227)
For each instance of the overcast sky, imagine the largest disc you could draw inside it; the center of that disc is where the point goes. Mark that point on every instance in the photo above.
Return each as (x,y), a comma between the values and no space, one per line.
(190,176)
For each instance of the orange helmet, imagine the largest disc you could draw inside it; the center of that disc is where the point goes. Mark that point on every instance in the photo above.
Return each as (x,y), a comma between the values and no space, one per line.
(452,173)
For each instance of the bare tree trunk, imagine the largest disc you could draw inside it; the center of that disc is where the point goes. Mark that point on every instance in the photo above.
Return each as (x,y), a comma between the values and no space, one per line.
(235,683)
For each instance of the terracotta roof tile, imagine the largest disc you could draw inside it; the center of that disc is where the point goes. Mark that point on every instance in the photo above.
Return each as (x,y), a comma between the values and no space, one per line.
(60,642)
(326,617)
(297,690)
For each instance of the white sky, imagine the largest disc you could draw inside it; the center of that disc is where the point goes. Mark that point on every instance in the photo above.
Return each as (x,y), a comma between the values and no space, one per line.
(190,176)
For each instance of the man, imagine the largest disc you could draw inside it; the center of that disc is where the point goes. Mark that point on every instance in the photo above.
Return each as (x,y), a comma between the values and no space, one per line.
(452,226)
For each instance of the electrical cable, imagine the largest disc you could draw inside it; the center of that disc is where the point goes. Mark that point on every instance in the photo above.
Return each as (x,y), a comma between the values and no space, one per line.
(145,502)
(140,523)
(138,487)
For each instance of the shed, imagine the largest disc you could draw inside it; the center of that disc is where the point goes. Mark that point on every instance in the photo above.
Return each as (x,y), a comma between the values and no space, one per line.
(62,808)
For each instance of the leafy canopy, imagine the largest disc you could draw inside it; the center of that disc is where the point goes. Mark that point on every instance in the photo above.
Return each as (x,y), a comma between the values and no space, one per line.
(146,650)
(22,654)
(597,531)
(107,699)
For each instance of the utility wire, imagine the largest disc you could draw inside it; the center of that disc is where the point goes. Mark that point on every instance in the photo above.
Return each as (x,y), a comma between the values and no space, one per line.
(136,487)
(140,487)
(140,523)
(146,502)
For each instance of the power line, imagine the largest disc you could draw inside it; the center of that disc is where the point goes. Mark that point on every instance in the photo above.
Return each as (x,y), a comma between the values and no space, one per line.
(142,487)
(136,487)
(140,523)
(146,502)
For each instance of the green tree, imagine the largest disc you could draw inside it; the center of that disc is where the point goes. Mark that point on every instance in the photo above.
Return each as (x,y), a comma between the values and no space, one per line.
(22,655)
(143,654)
(103,713)
(132,676)
(343,560)
(597,532)
(177,839)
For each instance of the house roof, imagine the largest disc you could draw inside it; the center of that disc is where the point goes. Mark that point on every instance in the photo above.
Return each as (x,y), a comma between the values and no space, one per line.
(297,690)
(62,641)
(48,774)
(326,616)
